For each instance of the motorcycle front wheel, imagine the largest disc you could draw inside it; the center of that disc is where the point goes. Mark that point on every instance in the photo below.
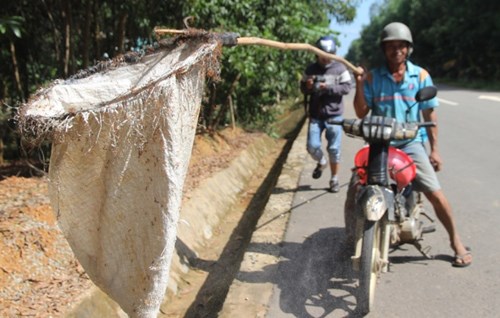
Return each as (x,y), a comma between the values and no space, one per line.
(369,269)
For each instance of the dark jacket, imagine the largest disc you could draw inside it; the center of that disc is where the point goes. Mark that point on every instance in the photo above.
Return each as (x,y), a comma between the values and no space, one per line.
(327,102)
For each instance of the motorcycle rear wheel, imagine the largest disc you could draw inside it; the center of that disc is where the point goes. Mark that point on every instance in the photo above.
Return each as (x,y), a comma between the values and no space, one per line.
(369,269)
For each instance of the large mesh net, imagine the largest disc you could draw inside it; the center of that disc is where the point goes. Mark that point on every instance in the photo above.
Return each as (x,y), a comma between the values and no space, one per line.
(122,134)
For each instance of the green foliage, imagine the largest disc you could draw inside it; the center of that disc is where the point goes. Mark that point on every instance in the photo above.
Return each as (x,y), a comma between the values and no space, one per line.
(265,75)
(11,24)
(44,40)
(456,39)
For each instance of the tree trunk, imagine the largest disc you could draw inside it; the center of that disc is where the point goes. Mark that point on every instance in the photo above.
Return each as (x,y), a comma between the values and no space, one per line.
(226,104)
(209,111)
(67,37)
(1,152)
(122,23)
(86,34)
(97,31)
(55,31)
(17,75)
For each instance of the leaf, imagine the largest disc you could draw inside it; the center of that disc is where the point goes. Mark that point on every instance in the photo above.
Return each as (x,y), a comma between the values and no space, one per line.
(16,31)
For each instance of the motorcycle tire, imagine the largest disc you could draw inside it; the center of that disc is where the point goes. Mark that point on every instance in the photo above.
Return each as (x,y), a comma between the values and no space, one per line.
(350,212)
(369,269)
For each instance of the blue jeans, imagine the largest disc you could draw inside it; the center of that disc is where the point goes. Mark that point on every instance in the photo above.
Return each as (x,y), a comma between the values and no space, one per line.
(333,134)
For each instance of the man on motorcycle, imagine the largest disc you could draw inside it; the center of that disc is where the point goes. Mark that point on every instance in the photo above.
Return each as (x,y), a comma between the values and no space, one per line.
(325,82)
(390,91)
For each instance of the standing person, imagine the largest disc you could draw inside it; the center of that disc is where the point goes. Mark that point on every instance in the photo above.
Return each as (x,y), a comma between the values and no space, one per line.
(325,82)
(390,91)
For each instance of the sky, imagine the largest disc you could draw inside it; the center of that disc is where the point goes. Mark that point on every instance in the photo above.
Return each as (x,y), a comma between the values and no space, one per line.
(350,32)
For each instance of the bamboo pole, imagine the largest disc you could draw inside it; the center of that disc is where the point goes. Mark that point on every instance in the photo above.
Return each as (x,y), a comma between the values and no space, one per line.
(274,44)
(298,46)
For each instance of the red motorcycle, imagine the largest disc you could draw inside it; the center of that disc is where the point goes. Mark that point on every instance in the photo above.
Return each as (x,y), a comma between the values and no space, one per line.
(382,210)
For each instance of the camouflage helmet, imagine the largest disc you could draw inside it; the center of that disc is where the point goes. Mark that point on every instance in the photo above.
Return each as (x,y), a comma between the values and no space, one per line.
(397,31)
(327,43)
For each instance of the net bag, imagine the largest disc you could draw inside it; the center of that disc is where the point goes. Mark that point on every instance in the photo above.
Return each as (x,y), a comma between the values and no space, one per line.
(122,135)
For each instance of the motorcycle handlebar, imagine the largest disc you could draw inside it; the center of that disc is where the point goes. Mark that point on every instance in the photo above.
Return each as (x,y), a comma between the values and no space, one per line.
(378,128)
(341,122)
(427,124)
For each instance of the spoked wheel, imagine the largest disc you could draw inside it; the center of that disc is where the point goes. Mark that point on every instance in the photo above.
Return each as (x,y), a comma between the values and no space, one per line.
(369,266)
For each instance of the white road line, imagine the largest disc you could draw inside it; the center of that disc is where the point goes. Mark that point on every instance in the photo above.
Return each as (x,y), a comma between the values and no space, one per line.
(449,102)
(489,97)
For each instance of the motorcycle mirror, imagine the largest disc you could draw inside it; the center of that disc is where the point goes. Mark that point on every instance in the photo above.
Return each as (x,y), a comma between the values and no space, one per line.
(422,95)
(426,93)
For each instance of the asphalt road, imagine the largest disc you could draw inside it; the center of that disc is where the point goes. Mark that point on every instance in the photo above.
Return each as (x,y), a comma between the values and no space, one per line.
(314,277)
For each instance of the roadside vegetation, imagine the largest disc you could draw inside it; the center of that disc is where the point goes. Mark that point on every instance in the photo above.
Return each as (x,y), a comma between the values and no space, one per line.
(52,39)
(456,40)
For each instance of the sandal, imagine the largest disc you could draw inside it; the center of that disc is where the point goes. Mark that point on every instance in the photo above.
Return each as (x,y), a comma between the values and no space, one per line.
(459,260)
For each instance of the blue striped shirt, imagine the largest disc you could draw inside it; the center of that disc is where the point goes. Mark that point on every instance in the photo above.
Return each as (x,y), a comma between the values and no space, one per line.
(387,98)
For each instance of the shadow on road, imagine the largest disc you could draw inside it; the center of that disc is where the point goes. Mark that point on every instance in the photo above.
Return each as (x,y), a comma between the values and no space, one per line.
(304,188)
(314,278)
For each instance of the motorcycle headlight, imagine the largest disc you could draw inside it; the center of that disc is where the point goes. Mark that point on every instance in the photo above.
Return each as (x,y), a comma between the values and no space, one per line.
(373,203)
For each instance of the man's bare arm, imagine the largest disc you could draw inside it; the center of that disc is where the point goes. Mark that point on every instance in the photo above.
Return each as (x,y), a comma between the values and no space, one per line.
(360,106)
(432,133)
